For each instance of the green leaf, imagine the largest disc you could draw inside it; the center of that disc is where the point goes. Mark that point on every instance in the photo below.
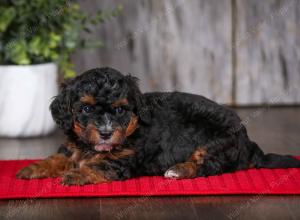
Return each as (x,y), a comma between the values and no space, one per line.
(69,73)
(54,40)
(17,53)
(6,17)
(35,45)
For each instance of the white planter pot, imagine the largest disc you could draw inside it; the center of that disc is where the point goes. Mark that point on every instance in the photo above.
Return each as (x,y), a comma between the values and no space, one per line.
(25,96)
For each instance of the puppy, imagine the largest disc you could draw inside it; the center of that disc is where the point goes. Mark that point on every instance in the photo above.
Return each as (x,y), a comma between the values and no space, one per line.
(114,132)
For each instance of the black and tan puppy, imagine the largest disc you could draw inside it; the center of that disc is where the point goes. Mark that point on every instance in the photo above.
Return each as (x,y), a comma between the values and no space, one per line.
(114,132)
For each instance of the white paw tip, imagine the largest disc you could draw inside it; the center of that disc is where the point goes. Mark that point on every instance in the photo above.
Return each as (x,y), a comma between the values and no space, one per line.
(171,174)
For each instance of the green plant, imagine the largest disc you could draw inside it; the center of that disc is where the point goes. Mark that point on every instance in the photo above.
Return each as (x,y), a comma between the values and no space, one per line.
(39,31)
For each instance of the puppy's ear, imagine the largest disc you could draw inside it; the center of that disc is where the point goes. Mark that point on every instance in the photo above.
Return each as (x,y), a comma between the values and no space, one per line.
(61,109)
(141,110)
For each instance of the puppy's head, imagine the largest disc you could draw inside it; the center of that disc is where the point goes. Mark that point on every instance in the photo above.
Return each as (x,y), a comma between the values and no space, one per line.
(101,107)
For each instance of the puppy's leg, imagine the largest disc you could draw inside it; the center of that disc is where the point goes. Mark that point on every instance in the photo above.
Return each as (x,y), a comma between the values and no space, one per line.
(102,168)
(82,176)
(189,168)
(53,166)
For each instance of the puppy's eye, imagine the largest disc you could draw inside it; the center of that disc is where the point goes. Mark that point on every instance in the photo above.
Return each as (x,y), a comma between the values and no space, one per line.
(87,109)
(120,110)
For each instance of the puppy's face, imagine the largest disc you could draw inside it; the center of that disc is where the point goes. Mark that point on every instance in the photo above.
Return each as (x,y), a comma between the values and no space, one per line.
(103,125)
(101,107)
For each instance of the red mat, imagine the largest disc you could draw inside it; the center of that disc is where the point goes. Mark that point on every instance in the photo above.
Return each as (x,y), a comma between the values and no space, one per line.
(262,181)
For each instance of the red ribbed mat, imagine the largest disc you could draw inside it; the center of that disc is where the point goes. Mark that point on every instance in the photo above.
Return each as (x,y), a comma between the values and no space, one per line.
(262,181)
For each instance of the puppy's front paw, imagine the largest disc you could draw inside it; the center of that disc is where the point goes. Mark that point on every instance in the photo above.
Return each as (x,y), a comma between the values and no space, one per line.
(32,171)
(181,171)
(74,177)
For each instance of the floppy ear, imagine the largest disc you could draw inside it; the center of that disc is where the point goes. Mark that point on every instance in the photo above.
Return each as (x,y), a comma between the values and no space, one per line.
(142,111)
(61,109)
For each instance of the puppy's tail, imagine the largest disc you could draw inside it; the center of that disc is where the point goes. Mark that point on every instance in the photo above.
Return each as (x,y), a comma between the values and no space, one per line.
(278,161)
(272,161)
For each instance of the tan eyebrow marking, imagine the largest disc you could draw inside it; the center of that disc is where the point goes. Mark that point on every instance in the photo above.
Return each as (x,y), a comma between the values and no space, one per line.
(88,99)
(119,102)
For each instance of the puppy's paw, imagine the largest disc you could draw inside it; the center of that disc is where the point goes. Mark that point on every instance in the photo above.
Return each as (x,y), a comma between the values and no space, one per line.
(32,171)
(181,171)
(172,173)
(74,177)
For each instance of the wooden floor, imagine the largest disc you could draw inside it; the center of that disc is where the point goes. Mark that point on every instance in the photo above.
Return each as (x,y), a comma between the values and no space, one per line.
(275,130)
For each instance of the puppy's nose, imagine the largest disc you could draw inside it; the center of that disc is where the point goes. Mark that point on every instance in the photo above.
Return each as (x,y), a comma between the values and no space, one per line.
(105,134)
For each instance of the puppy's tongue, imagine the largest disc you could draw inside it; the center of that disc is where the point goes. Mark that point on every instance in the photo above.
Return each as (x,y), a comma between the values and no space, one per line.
(103,147)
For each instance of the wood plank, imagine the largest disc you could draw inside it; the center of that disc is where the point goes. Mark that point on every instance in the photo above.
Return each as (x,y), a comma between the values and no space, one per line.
(170,45)
(268,52)
(80,208)
(201,207)
(148,208)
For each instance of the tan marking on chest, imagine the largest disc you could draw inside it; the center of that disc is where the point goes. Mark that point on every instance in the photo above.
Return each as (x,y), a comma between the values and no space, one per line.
(131,126)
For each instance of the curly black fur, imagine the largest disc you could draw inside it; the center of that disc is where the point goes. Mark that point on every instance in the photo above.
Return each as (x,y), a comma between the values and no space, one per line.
(171,127)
